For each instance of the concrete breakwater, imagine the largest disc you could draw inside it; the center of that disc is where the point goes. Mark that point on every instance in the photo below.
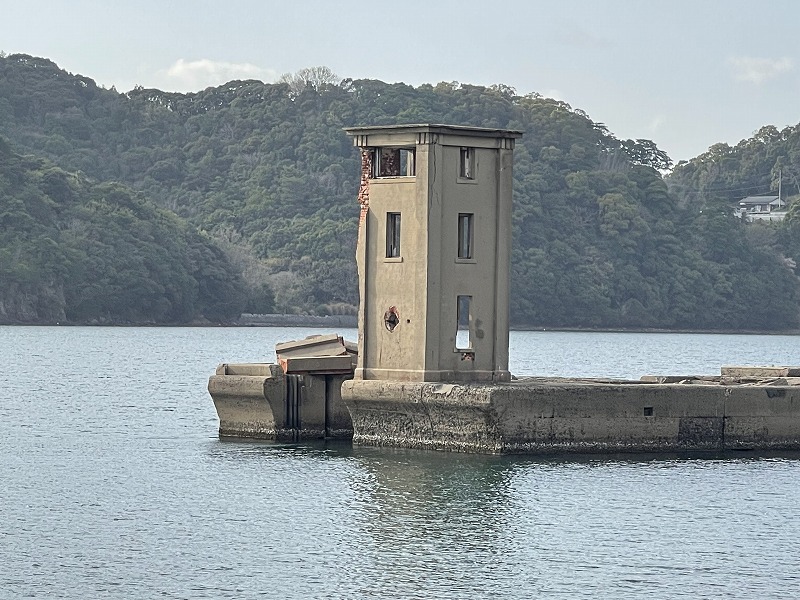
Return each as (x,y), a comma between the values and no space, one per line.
(431,368)
(743,409)
(546,416)
(282,320)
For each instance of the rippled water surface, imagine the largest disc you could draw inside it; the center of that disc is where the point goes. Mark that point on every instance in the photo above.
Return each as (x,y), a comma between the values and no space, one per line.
(114,485)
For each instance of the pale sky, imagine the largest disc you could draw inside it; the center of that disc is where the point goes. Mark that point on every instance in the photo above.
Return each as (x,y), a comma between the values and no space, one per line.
(686,73)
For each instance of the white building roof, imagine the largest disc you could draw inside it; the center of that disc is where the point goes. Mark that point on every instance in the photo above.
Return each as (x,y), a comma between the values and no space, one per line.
(753,200)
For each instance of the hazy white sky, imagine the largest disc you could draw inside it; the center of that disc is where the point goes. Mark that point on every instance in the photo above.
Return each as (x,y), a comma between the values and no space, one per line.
(685,73)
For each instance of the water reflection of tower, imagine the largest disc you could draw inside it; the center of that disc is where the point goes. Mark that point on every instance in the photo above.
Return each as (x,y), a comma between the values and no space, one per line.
(452,512)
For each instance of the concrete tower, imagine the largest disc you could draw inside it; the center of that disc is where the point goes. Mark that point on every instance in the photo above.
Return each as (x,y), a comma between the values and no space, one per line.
(433,252)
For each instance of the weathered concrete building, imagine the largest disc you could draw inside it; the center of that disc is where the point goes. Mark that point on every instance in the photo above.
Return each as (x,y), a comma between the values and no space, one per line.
(433,252)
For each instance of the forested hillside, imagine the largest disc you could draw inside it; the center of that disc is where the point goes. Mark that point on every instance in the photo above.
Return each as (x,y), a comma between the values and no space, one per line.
(267,173)
(76,251)
(724,174)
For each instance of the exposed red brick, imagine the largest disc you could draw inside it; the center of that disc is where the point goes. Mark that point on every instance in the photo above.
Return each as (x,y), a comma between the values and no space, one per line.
(366,173)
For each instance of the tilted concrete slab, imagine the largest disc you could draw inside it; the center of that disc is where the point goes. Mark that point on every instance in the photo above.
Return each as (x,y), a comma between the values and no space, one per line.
(317,345)
(317,365)
(322,346)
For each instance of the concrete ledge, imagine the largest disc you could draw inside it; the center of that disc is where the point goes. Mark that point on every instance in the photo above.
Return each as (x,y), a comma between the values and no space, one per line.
(759,372)
(254,369)
(249,405)
(547,417)
(421,375)
(260,401)
(317,365)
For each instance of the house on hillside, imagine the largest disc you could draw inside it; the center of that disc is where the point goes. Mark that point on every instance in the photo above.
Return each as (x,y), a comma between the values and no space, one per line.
(761,208)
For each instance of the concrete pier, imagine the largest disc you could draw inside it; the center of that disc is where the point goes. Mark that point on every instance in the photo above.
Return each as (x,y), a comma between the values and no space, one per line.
(746,408)
(431,366)
(548,416)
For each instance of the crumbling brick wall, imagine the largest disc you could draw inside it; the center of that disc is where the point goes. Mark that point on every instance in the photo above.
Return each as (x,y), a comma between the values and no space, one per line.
(363,190)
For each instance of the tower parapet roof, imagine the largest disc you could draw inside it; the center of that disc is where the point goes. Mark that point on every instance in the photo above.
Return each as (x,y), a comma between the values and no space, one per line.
(435,128)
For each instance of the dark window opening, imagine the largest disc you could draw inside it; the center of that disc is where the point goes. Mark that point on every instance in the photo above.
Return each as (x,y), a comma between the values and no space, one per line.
(392,235)
(648,411)
(463,323)
(467,163)
(393,162)
(465,235)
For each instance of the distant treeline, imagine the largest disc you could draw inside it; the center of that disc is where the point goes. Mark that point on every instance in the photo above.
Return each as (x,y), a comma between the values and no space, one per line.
(242,198)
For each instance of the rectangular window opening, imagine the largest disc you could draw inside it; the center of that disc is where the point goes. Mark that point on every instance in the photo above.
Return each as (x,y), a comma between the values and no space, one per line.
(467,163)
(465,234)
(407,166)
(392,235)
(463,323)
(393,162)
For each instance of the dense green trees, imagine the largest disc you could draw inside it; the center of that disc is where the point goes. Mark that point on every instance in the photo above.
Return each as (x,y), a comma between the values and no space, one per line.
(265,172)
(76,251)
(756,261)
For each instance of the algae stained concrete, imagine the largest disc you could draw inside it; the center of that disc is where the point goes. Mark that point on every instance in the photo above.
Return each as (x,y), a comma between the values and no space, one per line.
(763,417)
(546,417)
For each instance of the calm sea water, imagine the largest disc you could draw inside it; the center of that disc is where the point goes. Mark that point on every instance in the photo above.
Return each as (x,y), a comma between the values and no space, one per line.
(113,484)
